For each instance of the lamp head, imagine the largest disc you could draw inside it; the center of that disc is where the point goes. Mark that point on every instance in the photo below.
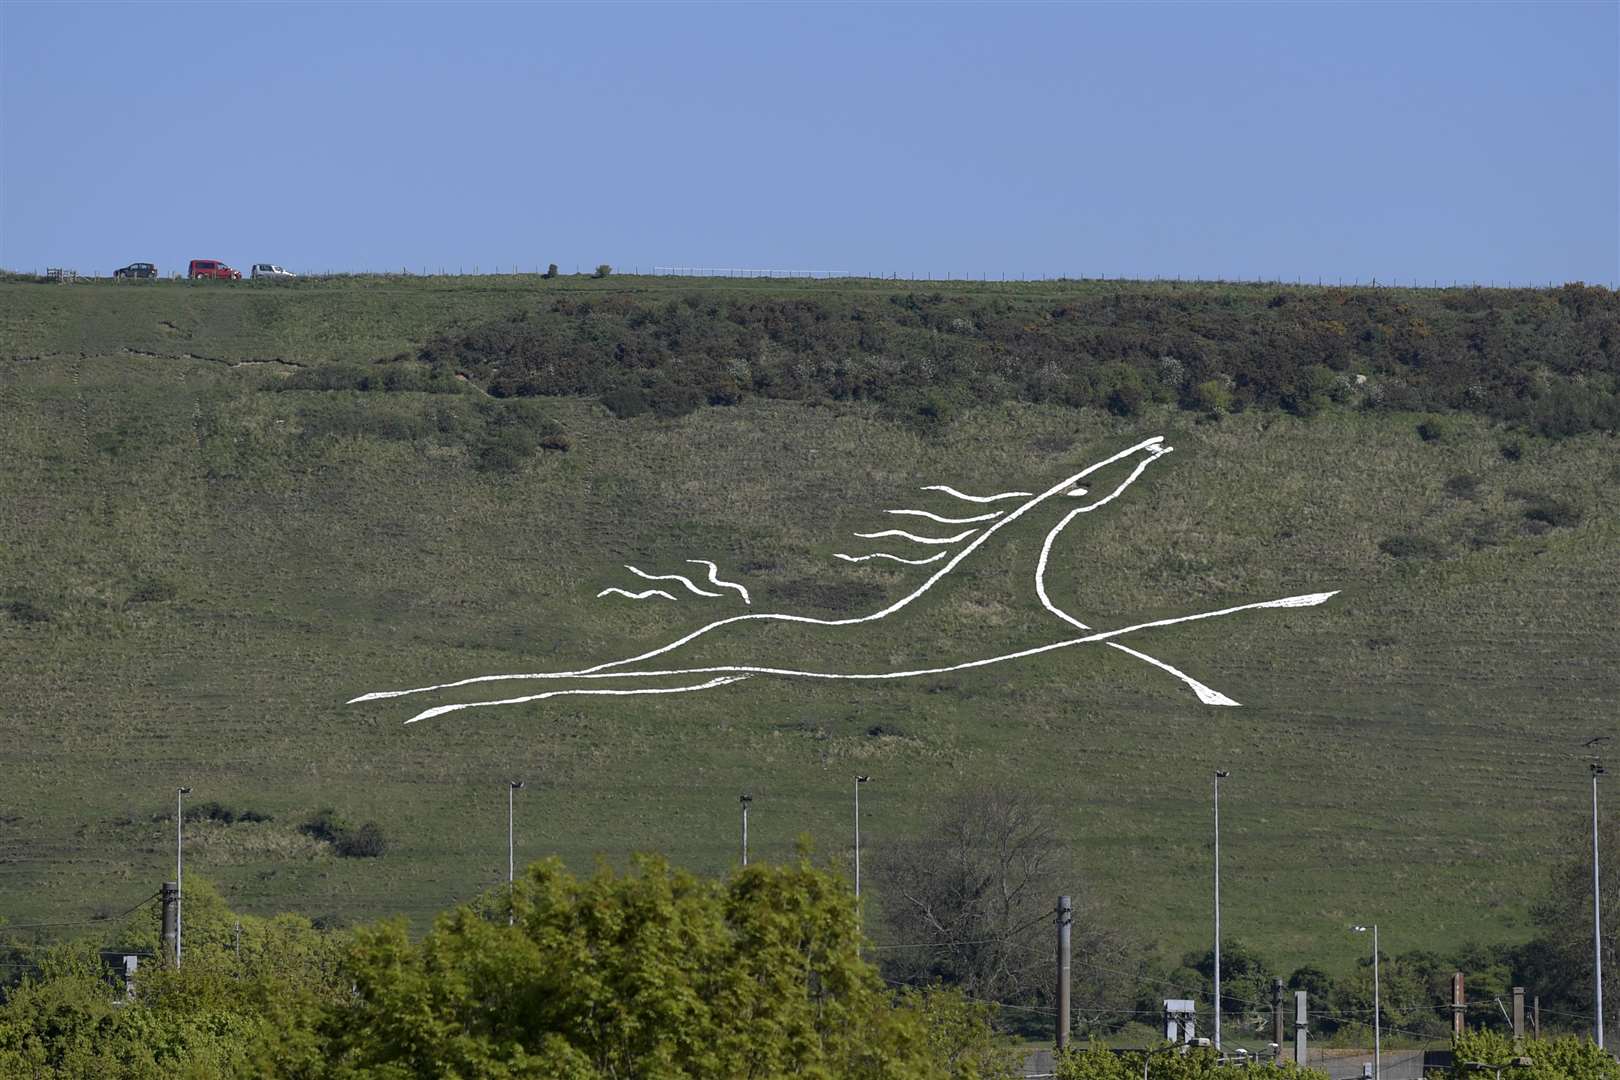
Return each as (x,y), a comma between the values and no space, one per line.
(1361,929)
(1222,774)
(183,791)
(861,778)
(516,784)
(745,798)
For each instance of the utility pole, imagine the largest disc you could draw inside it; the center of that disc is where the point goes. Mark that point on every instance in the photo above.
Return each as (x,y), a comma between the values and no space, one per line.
(1065,920)
(1459,1004)
(1277,1018)
(1597,916)
(745,799)
(1518,1013)
(511,860)
(171,921)
(859,780)
(1220,774)
(180,794)
(1301,1024)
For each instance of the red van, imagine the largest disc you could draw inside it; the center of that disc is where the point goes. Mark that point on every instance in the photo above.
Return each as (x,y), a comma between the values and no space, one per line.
(212,268)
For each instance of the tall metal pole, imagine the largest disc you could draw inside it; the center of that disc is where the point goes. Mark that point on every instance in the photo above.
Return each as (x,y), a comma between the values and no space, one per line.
(1378,1042)
(745,800)
(179,868)
(1377,1022)
(511,853)
(1597,918)
(1065,917)
(1220,774)
(859,780)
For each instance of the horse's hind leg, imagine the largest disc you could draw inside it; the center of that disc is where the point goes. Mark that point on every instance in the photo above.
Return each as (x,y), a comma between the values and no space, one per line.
(1208,695)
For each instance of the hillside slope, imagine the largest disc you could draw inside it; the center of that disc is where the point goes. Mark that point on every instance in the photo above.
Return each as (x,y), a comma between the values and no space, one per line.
(204,553)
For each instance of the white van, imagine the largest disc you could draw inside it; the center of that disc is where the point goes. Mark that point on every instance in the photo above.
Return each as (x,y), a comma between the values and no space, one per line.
(271,270)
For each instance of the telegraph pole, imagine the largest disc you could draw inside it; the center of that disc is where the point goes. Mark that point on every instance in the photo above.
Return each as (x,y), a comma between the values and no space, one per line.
(859,780)
(745,799)
(180,794)
(1220,774)
(1597,916)
(1065,920)
(511,860)
(171,922)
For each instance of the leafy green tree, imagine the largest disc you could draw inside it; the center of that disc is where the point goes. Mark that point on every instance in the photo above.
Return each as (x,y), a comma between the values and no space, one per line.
(1568,1058)
(654,973)
(1097,1062)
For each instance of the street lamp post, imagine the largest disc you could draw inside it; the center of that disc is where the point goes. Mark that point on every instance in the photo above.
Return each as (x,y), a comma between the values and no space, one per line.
(744,799)
(1597,917)
(859,780)
(1377,1026)
(179,868)
(511,852)
(1220,774)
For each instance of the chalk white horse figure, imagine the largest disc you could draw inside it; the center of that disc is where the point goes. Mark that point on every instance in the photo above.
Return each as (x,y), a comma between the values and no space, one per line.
(657,665)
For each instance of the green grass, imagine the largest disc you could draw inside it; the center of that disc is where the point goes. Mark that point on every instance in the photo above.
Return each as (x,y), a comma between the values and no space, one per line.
(196,583)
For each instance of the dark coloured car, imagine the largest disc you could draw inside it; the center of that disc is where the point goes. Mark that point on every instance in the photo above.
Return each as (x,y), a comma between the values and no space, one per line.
(212,268)
(137,270)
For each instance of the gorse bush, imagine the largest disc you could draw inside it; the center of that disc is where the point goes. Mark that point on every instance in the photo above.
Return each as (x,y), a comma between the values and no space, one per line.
(365,841)
(1119,348)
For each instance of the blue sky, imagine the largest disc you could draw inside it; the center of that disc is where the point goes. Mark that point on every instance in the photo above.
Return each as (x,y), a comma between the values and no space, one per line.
(1402,142)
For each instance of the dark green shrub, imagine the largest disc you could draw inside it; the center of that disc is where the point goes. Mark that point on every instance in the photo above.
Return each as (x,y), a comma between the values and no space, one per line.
(25,611)
(366,842)
(1462,486)
(602,271)
(1433,429)
(1552,511)
(1512,449)
(225,815)
(152,591)
(1411,546)
(551,271)
(626,401)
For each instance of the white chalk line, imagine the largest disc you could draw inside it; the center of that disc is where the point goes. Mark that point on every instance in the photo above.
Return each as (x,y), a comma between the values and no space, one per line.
(616,591)
(1305,600)
(914,538)
(935,557)
(714,579)
(671,577)
(711,684)
(1208,695)
(947,489)
(883,613)
(948,521)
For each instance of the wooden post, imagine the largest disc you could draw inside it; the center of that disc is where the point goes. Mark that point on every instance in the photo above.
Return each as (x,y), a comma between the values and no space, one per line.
(1065,920)
(1535,1015)
(171,909)
(1518,1013)
(1458,1004)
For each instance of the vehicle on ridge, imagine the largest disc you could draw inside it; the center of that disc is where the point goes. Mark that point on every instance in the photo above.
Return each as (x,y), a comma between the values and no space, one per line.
(212,268)
(271,270)
(136,270)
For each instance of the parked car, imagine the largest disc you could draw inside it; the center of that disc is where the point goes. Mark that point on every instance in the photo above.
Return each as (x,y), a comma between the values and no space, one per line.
(212,268)
(271,270)
(136,270)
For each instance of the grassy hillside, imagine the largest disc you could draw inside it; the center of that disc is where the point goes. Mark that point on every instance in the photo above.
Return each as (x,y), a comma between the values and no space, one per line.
(203,554)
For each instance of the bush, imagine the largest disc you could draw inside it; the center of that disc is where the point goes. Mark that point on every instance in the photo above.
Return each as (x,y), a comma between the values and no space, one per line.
(551,271)
(25,611)
(625,402)
(1462,486)
(602,271)
(1411,546)
(1555,512)
(225,815)
(365,842)
(1434,429)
